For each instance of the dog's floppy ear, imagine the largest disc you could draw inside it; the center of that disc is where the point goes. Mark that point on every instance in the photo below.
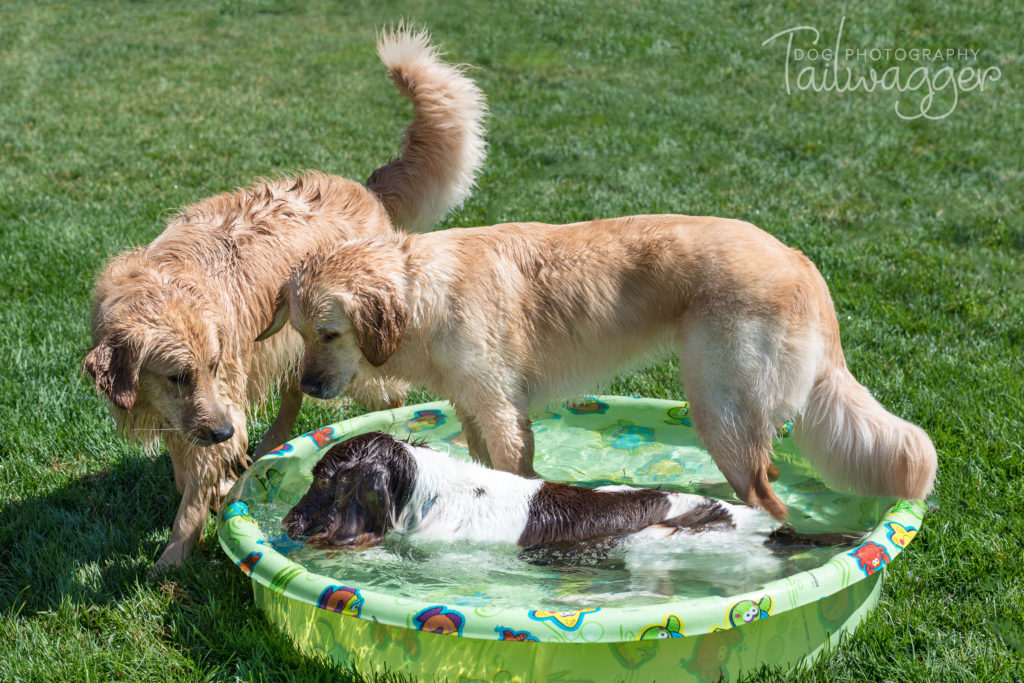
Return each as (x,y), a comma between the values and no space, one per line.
(350,509)
(371,505)
(115,370)
(357,490)
(379,316)
(282,310)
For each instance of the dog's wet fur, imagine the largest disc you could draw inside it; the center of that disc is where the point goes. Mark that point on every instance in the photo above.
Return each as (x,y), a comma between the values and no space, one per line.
(372,483)
(358,488)
(500,319)
(174,322)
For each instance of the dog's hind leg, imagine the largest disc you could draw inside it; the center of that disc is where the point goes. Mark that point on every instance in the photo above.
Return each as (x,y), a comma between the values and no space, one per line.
(742,456)
(281,428)
(729,379)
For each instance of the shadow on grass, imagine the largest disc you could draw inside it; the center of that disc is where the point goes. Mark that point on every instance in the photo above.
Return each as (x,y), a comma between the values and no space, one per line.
(90,543)
(89,540)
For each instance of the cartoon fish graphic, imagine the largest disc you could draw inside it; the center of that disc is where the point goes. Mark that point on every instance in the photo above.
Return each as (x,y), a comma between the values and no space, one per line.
(457,440)
(505,633)
(900,535)
(567,620)
(269,482)
(283,449)
(711,654)
(385,635)
(537,414)
(249,562)
(749,611)
(633,656)
(341,599)
(237,509)
(586,406)
(672,628)
(626,436)
(423,420)
(440,620)
(679,415)
(322,437)
(870,557)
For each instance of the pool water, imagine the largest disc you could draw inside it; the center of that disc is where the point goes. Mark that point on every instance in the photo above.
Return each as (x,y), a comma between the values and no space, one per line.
(589,442)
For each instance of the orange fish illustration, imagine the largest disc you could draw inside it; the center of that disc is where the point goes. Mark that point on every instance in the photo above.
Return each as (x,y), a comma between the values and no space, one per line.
(249,562)
(425,419)
(341,599)
(440,620)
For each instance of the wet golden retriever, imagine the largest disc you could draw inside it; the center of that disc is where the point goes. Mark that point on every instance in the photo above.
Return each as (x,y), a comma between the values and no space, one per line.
(174,321)
(498,318)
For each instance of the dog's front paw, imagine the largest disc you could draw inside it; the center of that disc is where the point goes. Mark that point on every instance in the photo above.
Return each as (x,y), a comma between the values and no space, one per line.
(172,557)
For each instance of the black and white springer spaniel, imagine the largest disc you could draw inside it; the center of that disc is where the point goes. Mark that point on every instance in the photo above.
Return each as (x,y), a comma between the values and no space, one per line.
(373,483)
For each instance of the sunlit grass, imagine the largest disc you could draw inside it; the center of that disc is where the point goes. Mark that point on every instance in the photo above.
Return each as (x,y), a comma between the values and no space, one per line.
(113,113)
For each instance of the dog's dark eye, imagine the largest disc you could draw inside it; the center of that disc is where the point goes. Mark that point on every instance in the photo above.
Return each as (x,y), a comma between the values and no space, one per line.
(330,336)
(180,380)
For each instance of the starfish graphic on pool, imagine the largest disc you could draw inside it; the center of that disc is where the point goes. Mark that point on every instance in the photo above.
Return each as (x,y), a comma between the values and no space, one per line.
(567,620)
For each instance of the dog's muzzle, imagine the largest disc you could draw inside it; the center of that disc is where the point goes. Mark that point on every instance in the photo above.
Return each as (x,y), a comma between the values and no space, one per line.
(222,433)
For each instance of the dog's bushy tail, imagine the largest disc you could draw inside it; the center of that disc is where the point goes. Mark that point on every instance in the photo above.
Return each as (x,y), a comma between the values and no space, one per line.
(444,146)
(856,443)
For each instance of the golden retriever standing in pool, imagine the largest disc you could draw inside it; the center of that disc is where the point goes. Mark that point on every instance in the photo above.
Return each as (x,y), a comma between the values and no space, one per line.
(174,321)
(502,317)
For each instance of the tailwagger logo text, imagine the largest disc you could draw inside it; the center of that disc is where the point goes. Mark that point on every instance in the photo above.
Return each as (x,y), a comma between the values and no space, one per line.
(926,82)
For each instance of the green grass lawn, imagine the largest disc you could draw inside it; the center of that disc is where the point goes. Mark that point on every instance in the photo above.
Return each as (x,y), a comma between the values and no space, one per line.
(112,113)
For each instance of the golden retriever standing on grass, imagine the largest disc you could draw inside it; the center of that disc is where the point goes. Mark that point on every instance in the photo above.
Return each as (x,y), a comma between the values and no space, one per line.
(499,318)
(174,321)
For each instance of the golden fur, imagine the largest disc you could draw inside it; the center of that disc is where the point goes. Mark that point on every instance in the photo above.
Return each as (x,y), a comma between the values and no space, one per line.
(174,321)
(501,317)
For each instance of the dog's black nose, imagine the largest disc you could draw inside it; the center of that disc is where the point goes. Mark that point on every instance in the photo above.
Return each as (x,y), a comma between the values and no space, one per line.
(311,387)
(222,433)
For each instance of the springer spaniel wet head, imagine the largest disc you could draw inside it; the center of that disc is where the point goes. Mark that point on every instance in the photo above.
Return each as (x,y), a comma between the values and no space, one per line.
(358,489)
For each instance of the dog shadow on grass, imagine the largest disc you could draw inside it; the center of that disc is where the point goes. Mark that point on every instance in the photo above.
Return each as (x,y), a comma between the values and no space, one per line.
(92,541)
(88,541)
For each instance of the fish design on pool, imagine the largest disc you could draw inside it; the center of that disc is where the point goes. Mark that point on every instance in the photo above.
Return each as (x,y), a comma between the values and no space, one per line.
(440,620)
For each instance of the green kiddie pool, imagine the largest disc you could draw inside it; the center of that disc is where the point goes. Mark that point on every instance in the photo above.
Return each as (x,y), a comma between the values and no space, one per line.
(697,608)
